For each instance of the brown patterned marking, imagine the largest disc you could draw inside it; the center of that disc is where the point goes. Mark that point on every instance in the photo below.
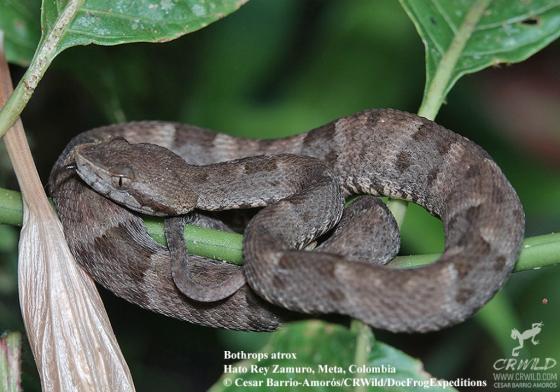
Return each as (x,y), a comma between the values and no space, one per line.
(297,200)
(331,157)
(518,214)
(473,214)
(256,320)
(431,177)
(473,171)
(115,245)
(443,145)
(423,133)
(374,187)
(463,295)
(468,238)
(335,296)
(201,176)
(244,206)
(462,269)
(285,262)
(364,154)
(483,245)
(403,161)
(146,200)
(259,166)
(453,221)
(278,283)
(264,144)
(184,134)
(84,254)
(497,195)
(372,119)
(499,263)
(414,198)
(320,134)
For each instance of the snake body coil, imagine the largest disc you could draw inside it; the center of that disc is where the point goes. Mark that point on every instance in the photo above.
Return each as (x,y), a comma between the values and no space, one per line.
(378,152)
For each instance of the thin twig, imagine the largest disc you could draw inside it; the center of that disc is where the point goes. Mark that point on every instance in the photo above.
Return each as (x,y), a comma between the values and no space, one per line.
(538,251)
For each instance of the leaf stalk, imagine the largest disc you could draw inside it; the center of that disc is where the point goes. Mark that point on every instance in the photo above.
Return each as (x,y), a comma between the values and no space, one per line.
(440,84)
(47,50)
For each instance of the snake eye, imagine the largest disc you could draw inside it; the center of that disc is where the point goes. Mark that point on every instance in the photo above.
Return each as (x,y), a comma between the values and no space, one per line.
(120,181)
(122,177)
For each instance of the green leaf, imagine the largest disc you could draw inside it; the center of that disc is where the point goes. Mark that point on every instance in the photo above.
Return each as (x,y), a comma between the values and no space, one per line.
(106,22)
(316,343)
(464,36)
(67,23)
(19,20)
(113,22)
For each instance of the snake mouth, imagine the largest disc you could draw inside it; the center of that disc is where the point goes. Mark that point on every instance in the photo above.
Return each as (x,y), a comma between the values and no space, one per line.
(95,178)
(99,179)
(70,166)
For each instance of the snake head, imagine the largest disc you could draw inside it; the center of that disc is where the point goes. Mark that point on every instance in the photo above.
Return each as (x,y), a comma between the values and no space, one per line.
(143,177)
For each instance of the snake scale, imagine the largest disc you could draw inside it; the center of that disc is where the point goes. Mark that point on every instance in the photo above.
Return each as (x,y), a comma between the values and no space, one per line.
(302,180)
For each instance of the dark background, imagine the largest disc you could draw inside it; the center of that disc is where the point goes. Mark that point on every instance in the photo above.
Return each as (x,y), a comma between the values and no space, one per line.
(282,67)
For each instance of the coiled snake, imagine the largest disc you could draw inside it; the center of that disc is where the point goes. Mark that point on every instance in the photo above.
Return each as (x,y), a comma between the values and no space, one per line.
(302,180)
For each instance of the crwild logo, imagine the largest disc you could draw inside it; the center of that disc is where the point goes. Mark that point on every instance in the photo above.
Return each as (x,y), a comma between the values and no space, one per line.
(527,334)
(514,363)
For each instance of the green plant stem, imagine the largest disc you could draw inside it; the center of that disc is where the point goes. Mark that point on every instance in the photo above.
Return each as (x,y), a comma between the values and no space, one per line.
(47,50)
(539,251)
(439,86)
(215,244)
(364,343)
(398,209)
(10,362)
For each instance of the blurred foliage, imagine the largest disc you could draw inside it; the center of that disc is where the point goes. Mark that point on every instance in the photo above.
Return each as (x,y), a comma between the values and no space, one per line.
(268,70)
(315,343)
(18,20)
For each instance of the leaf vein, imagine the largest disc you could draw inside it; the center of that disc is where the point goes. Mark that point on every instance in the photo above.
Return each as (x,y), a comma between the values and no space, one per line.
(445,16)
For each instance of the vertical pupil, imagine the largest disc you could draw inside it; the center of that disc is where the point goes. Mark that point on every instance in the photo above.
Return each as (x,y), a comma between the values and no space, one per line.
(120,181)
